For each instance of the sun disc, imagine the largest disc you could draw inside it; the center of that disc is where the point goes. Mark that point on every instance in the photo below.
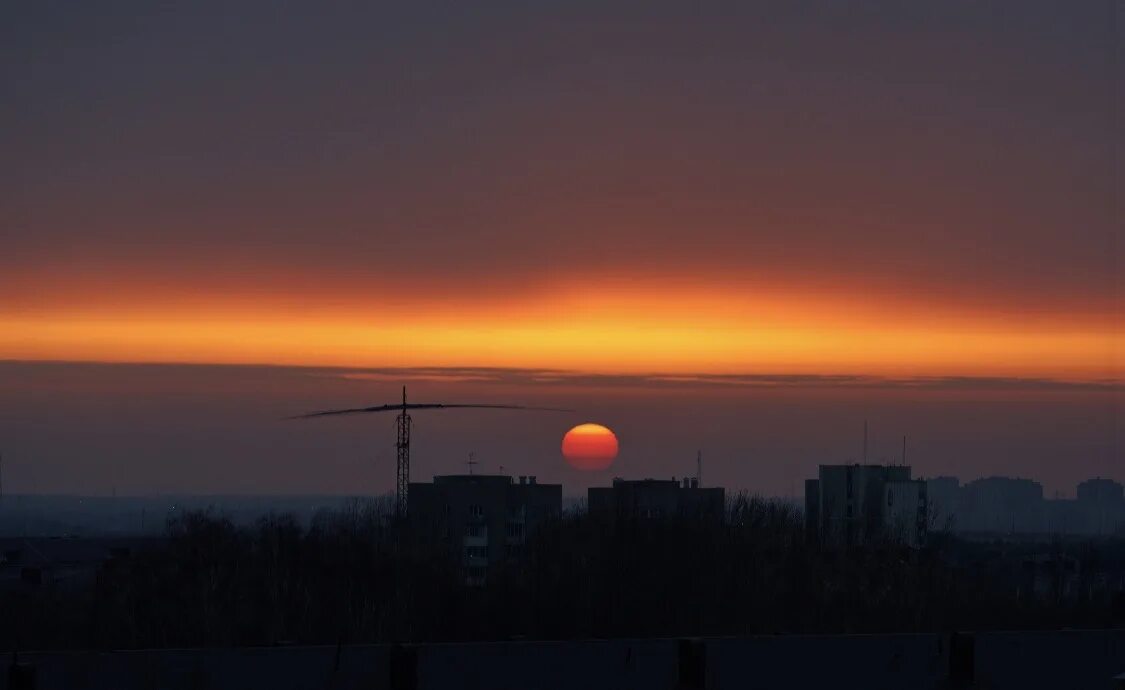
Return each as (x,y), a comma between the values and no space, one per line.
(590,447)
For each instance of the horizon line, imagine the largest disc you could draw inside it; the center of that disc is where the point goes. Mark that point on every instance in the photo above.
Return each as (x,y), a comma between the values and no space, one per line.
(542,376)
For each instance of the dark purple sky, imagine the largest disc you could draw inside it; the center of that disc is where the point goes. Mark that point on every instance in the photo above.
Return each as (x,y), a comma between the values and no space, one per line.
(803,190)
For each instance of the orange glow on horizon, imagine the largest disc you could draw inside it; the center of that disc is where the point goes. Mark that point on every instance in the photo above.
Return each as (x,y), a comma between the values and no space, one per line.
(639,330)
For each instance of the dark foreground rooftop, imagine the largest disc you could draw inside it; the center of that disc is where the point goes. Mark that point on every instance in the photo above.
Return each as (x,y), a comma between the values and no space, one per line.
(998,660)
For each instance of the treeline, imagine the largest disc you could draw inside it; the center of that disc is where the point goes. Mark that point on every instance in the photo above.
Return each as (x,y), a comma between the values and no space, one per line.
(355,576)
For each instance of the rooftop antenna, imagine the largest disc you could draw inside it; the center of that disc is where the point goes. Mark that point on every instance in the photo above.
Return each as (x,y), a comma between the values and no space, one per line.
(904,451)
(403,424)
(699,468)
(471,462)
(402,464)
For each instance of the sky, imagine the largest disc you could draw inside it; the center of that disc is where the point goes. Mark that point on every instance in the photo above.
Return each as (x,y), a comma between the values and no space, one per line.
(739,227)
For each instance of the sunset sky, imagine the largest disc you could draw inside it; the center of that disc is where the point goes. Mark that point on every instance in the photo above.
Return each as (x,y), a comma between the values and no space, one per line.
(649,204)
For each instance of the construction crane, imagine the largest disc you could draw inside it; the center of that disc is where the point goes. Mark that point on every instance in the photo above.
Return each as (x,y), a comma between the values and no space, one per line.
(403,422)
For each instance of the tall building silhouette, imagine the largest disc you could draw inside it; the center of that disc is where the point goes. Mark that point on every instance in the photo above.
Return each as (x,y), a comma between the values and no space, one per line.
(851,505)
(482,520)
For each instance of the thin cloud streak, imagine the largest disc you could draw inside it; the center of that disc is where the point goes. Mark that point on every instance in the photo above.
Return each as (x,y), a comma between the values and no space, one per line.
(552,377)
(570,378)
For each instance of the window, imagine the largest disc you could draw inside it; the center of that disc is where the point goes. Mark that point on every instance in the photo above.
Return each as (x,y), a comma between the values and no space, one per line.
(476,511)
(476,552)
(474,531)
(515,530)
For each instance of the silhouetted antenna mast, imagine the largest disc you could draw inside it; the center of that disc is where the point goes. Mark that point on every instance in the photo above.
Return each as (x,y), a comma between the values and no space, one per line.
(699,467)
(904,451)
(403,424)
(402,463)
(471,462)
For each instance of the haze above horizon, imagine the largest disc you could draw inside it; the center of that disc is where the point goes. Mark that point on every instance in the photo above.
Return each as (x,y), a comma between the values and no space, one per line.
(744,229)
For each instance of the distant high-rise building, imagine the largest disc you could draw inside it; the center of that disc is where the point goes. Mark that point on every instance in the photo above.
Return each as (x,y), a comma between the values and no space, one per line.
(906,511)
(656,498)
(1099,490)
(1002,504)
(1012,505)
(944,500)
(850,505)
(1101,505)
(481,519)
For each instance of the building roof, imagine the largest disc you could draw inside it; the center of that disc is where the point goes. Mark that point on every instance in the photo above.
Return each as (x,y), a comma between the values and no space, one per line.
(481,479)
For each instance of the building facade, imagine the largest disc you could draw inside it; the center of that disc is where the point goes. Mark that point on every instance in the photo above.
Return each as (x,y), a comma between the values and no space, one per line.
(851,505)
(648,499)
(483,520)
(944,498)
(1101,506)
(1016,506)
(906,512)
(1002,505)
(1099,490)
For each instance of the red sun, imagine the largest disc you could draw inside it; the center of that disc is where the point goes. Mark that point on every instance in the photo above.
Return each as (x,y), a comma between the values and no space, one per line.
(589,447)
